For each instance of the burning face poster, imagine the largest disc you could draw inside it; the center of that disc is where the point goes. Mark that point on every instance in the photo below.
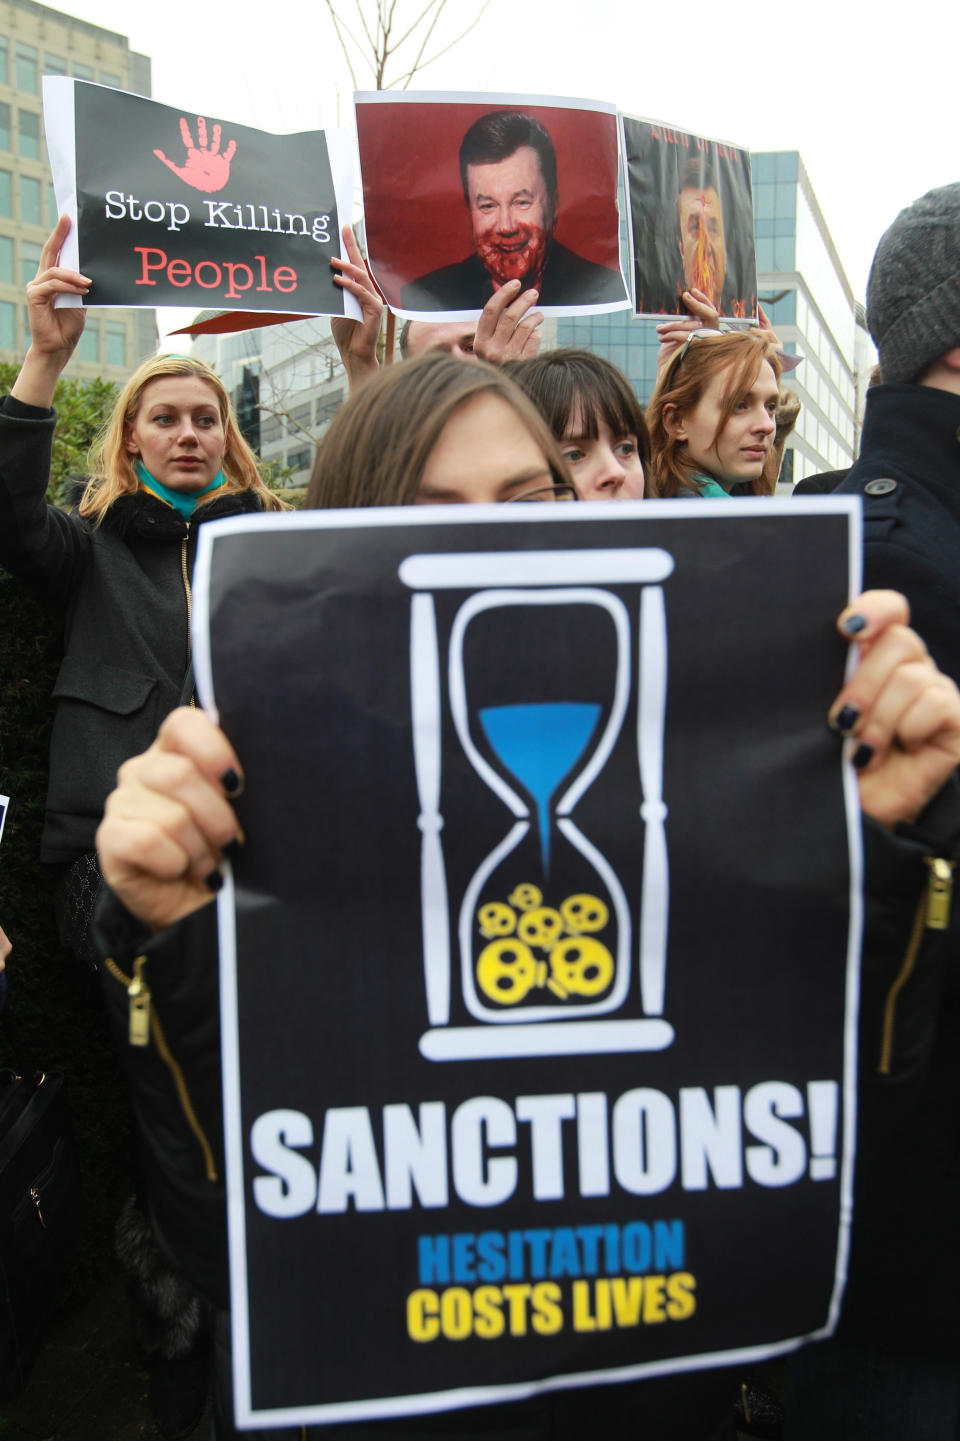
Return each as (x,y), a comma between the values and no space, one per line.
(691,220)
(464,193)
(538,971)
(184,209)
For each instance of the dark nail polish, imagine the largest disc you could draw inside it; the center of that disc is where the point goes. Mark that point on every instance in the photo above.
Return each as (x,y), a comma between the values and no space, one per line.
(862,756)
(232,783)
(845,719)
(231,850)
(854,624)
(213,881)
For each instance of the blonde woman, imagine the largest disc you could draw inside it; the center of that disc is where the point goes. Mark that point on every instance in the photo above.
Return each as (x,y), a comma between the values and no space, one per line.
(119,566)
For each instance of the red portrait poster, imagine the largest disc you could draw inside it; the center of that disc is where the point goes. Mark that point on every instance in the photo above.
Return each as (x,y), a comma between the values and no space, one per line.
(464,193)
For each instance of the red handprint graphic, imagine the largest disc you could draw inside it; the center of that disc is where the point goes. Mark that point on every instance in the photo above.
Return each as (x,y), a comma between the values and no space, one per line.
(205,168)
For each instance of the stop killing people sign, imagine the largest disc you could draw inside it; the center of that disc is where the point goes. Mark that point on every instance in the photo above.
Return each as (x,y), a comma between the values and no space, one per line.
(184,209)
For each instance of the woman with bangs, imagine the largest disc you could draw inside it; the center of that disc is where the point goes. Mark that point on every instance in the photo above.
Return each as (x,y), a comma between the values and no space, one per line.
(712,417)
(594,416)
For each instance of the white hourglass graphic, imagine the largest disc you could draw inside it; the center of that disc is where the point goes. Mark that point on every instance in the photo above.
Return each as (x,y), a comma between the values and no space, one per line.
(541,975)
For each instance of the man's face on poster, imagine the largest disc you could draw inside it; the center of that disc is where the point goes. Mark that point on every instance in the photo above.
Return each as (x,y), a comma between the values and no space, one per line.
(511,215)
(702,244)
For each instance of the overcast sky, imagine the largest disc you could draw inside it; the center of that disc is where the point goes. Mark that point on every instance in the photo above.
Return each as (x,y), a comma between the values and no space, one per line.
(869,101)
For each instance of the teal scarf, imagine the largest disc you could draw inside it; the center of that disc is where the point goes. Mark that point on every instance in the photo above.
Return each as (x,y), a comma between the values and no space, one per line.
(710,489)
(184,502)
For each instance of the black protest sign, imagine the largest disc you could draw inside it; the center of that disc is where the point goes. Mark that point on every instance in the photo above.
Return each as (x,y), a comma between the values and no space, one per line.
(184,209)
(691,219)
(535,964)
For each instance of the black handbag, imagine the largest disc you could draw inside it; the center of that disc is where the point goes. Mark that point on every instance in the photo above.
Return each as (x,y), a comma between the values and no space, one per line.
(39,1213)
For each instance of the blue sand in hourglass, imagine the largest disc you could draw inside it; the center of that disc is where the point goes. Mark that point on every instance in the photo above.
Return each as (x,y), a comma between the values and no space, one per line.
(540,743)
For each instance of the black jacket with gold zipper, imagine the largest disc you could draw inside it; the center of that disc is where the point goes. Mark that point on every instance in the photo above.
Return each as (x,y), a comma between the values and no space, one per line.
(162,994)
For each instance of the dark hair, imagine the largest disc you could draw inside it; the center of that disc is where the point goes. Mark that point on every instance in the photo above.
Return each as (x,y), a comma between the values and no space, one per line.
(566,384)
(378,444)
(500,134)
(698,174)
(680,387)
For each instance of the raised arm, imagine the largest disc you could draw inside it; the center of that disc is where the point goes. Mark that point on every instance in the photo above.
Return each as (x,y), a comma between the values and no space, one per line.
(54,333)
(356,340)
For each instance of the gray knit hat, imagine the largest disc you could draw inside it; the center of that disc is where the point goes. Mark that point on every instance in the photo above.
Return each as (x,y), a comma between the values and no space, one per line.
(913,294)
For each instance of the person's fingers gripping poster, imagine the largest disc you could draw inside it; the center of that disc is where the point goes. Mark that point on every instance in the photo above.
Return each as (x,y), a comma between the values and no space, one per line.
(536,961)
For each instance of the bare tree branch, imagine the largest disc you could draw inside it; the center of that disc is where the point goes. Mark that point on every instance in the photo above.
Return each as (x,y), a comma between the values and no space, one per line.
(346,54)
(377,44)
(420,19)
(421,64)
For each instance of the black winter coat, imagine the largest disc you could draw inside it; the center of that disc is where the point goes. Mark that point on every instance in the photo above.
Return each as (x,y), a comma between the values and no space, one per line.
(911,529)
(124,589)
(905,1257)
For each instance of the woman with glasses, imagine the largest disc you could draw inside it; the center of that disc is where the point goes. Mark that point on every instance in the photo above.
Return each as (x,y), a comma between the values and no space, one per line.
(438,431)
(712,417)
(595,417)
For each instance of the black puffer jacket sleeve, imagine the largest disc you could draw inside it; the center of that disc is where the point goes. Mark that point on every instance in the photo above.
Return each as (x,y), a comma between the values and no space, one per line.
(41,544)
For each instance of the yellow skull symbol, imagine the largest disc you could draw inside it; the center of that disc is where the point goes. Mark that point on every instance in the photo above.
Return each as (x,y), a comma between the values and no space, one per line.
(540,927)
(496,919)
(507,971)
(580,966)
(525,897)
(584,913)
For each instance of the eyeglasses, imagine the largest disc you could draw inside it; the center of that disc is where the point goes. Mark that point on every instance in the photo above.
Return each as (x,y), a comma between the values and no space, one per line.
(560,491)
(694,335)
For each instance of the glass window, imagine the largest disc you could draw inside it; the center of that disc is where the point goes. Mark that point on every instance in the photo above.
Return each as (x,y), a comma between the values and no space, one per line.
(29,260)
(89,340)
(116,347)
(300,459)
(52,212)
(54,65)
(107,79)
(787,165)
(786,199)
(29,134)
(4,68)
(764,254)
(29,200)
(783,253)
(27,68)
(83,72)
(8,325)
(6,193)
(764,199)
(6,260)
(4,126)
(763,167)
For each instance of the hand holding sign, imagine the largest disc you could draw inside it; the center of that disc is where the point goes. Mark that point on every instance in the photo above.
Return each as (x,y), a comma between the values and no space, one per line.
(356,340)
(205,168)
(901,712)
(54,332)
(164,828)
(505,331)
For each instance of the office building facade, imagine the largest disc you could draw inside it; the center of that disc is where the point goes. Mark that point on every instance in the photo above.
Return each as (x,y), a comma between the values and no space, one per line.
(37,41)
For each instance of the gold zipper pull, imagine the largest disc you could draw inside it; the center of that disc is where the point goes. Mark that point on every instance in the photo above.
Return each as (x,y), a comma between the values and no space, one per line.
(939,893)
(35,1198)
(139,994)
